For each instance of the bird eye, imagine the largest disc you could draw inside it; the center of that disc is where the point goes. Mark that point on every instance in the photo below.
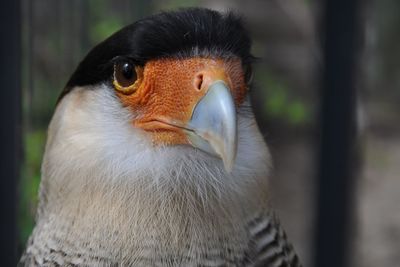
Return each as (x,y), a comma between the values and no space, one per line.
(125,77)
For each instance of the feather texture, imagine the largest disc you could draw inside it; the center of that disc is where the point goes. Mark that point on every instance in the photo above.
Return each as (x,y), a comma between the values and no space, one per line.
(108,197)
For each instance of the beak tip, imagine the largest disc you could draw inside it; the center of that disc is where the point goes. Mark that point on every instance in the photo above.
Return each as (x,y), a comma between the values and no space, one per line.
(229,160)
(228,166)
(214,124)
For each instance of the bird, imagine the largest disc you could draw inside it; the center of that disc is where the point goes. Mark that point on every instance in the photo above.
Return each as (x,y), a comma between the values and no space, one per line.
(153,154)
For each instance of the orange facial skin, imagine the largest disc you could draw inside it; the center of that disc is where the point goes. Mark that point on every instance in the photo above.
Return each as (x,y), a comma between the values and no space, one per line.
(169,89)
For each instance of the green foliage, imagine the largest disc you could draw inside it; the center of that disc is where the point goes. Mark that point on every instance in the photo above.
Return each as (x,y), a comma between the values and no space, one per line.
(174,4)
(276,101)
(280,103)
(297,112)
(104,20)
(29,184)
(104,28)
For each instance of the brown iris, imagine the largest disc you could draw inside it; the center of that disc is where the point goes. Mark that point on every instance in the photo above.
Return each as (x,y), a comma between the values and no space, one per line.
(126,77)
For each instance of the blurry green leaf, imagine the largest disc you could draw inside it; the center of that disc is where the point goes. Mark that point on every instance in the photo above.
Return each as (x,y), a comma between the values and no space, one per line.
(34,143)
(104,28)
(280,102)
(173,4)
(296,113)
(276,101)
(34,148)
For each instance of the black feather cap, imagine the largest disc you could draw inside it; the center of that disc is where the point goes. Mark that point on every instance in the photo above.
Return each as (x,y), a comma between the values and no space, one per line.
(183,33)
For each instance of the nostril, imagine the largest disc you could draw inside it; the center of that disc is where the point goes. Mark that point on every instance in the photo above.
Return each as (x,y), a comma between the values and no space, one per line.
(198,81)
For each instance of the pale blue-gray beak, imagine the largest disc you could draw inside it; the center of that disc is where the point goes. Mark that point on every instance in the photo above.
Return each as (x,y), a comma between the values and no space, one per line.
(213,126)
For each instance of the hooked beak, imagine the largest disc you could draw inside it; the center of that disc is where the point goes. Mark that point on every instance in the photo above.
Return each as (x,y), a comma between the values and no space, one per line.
(212,127)
(190,101)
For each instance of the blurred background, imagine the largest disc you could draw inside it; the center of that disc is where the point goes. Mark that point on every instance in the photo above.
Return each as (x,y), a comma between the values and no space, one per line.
(58,34)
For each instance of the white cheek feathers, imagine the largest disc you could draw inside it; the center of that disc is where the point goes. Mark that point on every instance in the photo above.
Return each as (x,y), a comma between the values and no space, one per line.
(91,128)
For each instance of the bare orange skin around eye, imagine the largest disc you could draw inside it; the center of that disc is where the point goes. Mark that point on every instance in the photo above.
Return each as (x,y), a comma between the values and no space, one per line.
(170,89)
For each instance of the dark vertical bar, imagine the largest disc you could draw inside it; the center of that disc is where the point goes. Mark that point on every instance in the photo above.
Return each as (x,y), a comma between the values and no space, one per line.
(30,48)
(338,134)
(10,96)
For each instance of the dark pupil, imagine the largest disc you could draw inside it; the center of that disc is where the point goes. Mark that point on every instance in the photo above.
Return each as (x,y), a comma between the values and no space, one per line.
(127,71)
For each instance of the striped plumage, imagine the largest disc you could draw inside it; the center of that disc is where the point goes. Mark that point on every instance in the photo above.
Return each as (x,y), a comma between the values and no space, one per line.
(117,192)
(267,246)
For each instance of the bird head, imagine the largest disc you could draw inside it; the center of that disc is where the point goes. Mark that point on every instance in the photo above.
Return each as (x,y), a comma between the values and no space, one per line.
(169,88)
(182,75)
(155,128)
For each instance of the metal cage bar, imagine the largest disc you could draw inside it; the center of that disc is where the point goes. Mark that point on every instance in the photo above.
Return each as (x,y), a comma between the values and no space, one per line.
(10,118)
(338,157)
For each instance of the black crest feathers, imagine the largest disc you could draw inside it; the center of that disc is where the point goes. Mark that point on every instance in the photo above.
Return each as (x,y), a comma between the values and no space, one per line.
(182,33)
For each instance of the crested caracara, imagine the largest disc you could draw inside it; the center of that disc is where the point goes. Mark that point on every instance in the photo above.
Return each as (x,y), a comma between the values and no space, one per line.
(153,156)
